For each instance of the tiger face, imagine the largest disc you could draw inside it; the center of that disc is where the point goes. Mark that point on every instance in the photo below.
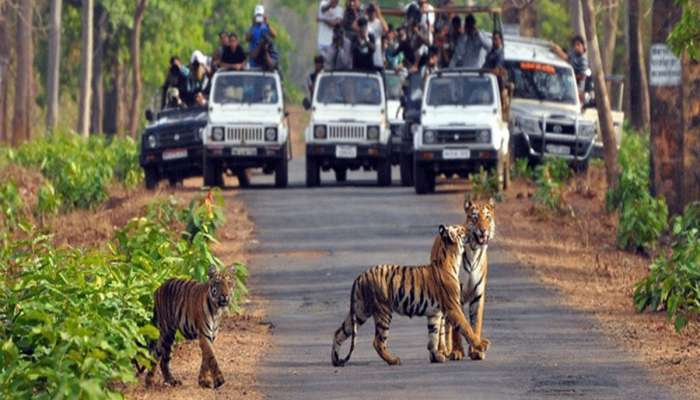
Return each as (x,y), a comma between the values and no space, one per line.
(454,235)
(480,221)
(219,287)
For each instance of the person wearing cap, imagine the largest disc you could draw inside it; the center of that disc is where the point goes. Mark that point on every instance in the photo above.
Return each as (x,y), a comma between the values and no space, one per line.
(330,15)
(363,47)
(233,57)
(471,47)
(311,80)
(377,26)
(259,30)
(197,84)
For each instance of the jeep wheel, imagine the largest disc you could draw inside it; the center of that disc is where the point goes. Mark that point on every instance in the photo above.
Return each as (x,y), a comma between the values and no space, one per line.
(281,172)
(313,174)
(244,178)
(212,174)
(151,177)
(406,169)
(424,179)
(384,172)
(341,174)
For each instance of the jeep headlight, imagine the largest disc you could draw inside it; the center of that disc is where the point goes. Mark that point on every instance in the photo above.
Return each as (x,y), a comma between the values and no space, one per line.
(528,125)
(372,132)
(319,132)
(217,133)
(271,134)
(152,141)
(429,137)
(587,130)
(485,136)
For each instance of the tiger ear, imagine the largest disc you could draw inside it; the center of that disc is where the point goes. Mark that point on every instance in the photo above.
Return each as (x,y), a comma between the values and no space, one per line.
(444,233)
(468,204)
(492,202)
(212,271)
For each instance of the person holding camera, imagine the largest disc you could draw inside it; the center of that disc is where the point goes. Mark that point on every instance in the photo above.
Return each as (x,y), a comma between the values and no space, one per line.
(471,46)
(330,15)
(363,47)
(339,56)
(176,79)
(260,33)
(198,83)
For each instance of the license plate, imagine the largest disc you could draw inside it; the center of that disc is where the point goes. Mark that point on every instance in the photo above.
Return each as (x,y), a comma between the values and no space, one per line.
(558,149)
(345,152)
(174,154)
(456,154)
(244,151)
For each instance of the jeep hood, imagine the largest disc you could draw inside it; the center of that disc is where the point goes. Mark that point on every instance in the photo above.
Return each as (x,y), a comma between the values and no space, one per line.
(371,115)
(245,114)
(536,109)
(461,116)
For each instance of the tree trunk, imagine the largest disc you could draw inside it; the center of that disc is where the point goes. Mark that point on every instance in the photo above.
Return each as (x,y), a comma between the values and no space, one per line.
(97,75)
(85,69)
(134,118)
(691,131)
(577,18)
(5,51)
(638,84)
(666,131)
(21,128)
(119,98)
(522,13)
(601,95)
(54,62)
(607,52)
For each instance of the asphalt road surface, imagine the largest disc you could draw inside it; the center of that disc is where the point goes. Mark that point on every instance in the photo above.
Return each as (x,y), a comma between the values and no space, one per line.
(312,244)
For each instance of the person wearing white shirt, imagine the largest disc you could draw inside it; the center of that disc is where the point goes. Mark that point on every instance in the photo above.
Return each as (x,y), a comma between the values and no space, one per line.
(377,26)
(330,15)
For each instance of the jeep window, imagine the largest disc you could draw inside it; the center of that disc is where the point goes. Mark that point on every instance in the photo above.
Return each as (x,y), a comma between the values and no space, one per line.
(339,89)
(393,86)
(542,82)
(460,90)
(245,89)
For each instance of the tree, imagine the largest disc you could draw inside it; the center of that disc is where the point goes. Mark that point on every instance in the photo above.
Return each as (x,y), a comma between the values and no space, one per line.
(54,62)
(577,18)
(638,85)
(98,93)
(21,127)
(85,69)
(5,51)
(522,13)
(601,95)
(607,52)
(136,68)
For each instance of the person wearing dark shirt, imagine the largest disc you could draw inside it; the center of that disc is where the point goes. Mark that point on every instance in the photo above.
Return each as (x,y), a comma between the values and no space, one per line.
(176,78)
(223,44)
(233,57)
(318,67)
(353,11)
(363,47)
(576,57)
(495,58)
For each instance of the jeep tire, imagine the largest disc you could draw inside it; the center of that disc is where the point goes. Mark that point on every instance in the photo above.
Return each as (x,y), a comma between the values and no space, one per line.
(341,174)
(384,172)
(406,169)
(151,177)
(212,174)
(313,174)
(424,178)
(282,172)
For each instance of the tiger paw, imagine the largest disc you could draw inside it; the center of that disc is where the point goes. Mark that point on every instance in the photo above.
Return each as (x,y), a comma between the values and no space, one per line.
(482,346)
(477,355)
(457,355)
(395,361)
(218,381)
(173,382)
(437,357)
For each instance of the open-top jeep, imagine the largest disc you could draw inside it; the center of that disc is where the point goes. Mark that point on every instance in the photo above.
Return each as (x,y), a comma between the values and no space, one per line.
(348,127)
(462,128)
(247,127)
(171,145)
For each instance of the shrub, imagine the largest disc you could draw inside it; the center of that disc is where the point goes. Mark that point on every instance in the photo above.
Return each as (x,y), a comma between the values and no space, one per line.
(550,178)
(521,169)
(673,282)
(484,185)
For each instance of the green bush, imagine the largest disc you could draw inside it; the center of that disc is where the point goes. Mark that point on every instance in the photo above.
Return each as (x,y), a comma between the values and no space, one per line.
(642,217)
(73,321)
(522,170)
(484,185)
(550,177)
(673,282)
(11,205)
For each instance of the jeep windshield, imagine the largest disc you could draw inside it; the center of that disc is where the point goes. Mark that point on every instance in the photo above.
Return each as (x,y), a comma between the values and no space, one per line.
(542,82)
(460,90)
(393,86)
(345,89)
(245,89)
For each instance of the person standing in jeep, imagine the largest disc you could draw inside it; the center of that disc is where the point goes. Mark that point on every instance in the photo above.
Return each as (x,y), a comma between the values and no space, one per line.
(260,34)
(233,57)
(363,48)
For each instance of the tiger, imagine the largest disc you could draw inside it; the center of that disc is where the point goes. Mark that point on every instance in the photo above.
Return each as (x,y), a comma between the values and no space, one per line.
(195,310)
(481,227)
(429,290)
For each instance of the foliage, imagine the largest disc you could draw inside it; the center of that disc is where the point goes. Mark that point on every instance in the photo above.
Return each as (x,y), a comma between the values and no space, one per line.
(11,205)
(73,321)
(522,170)
(484,185)
(642,217)
(674,280)
(685,35)
(80,170)
(550,177)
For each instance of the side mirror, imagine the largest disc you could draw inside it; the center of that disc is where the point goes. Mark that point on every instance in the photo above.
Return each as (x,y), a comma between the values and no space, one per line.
(306,103)
(149,115)
(286,114)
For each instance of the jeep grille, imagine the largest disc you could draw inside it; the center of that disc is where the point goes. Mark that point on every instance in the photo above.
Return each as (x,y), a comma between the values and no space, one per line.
(347,132)
(457,135)
(560,128)
(247,134)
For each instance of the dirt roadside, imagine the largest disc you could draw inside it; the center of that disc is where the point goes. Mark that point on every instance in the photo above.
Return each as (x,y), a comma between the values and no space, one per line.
(577,255)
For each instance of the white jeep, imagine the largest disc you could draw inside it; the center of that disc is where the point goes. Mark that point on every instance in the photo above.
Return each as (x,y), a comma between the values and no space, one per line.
(462,128)
(247,127)
(349,127)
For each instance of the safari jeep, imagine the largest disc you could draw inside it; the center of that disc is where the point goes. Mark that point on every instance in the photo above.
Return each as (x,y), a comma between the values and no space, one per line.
(462,128)
(247,127)
(348,127)
(171,145)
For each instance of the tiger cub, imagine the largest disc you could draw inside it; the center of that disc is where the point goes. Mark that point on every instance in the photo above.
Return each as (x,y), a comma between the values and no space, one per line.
(481,226)
(428,290)
(194,309)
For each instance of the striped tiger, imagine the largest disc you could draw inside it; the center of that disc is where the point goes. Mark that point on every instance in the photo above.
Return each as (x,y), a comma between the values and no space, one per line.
(428,290)
(481,225)
(194,309)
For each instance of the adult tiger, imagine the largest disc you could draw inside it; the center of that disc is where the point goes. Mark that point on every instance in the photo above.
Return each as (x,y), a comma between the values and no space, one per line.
(481,227)
(428,290)
(194,309)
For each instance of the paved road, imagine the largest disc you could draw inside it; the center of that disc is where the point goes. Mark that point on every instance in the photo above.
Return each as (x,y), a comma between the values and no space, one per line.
(312,244)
